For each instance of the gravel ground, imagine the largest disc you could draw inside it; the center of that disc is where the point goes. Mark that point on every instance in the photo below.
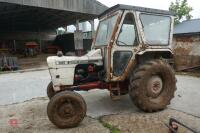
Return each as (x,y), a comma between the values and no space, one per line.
(151,122)
(31,118)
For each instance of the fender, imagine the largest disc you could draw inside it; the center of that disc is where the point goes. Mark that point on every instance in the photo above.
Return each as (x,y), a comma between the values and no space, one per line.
(155,50)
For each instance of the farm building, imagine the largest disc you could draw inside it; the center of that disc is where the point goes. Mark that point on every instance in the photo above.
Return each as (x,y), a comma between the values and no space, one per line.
(187,44)
(28,27)
(23,21)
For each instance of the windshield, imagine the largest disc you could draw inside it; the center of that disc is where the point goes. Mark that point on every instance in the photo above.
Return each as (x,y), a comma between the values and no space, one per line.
(156,29)
(105,31)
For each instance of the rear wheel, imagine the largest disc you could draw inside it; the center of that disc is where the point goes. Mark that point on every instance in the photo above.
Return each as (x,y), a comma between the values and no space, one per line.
(152,86)
(66,109)
(50,91)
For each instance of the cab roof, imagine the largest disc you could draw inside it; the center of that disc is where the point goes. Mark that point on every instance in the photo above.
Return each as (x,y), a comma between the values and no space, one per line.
(135,8)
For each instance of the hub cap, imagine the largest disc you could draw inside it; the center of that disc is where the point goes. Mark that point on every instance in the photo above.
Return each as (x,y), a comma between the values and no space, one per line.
(66,110)
(154,86)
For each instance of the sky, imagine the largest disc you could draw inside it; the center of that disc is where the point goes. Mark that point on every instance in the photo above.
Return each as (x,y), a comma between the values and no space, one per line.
(158,4)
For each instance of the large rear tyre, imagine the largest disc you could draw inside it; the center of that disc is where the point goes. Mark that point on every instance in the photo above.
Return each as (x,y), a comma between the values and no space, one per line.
(152,86)
(50,91)
(66,109)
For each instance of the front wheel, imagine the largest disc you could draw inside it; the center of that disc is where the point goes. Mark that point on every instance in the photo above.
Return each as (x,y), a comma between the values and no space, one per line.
(66,109)
(152,86)
(50,90)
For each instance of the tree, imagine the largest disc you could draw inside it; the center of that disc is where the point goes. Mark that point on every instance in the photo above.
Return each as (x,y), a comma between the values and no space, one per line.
(181,9)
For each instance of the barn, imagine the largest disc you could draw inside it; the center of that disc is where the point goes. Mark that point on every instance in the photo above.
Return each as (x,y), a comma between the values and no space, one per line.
(28,27)
(186,45)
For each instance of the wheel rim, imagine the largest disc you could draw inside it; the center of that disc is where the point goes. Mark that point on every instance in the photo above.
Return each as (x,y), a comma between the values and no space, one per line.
(67,109)
(154,86)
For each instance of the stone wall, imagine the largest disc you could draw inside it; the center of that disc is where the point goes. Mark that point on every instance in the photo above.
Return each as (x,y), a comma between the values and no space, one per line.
(187,51)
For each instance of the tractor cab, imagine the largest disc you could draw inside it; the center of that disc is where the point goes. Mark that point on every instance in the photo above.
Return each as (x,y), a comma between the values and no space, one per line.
(125,32)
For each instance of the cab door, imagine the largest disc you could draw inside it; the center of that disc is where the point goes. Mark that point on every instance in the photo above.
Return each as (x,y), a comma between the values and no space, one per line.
(122,52)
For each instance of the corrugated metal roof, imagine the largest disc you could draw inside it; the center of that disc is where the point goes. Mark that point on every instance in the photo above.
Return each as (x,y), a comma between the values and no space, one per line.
(81,6)
(188,27)
(42,15)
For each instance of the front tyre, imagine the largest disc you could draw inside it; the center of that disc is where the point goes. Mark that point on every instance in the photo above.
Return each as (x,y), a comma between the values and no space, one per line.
(152,86)
(66,109)
(50,90)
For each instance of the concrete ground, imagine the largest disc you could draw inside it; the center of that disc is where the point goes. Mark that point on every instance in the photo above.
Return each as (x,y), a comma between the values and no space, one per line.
(19,87)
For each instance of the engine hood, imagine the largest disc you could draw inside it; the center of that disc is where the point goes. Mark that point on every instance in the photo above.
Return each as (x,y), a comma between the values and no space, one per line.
(94,56)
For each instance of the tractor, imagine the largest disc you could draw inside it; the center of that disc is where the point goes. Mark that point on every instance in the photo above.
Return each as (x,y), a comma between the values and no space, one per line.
(131,54)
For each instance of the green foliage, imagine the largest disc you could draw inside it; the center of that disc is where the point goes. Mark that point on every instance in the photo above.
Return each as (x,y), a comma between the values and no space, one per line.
(181,9)
(115,130)
(110,127)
